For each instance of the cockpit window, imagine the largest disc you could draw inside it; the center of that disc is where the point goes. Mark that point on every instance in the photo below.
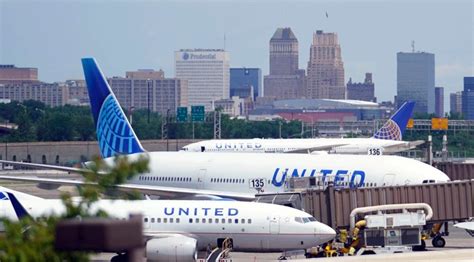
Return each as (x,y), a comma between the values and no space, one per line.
(304,220)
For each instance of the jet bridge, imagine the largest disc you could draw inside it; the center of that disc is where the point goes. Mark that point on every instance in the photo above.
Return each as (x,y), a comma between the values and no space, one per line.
(451,201)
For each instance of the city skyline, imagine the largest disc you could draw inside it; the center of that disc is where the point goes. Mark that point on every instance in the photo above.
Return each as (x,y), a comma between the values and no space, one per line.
(137,35)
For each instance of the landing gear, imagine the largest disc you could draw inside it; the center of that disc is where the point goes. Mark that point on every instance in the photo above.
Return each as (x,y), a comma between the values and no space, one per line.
(438,241)
(282,258)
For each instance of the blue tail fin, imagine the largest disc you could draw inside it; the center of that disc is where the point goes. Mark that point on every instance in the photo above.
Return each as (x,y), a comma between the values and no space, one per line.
(20,211)
(394,128)
(114,133)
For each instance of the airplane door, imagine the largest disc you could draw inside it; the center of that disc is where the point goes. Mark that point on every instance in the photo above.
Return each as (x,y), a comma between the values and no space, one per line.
(274,225)
(201,178)
(388,179)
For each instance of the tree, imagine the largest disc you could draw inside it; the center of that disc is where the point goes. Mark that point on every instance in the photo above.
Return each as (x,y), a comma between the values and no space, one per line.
(33,239)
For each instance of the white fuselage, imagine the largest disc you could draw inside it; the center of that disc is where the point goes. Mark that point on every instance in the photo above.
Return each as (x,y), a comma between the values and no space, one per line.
(257,173)
(332,145)
(252,226)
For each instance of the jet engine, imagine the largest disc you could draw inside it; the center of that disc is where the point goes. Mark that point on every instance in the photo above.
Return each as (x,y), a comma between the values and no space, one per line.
(173,248)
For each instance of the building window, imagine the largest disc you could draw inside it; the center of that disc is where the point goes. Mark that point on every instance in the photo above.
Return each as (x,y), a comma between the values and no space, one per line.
(43,159)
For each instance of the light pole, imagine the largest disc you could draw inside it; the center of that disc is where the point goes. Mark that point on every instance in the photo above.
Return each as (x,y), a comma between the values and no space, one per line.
(148,97)
(167,125)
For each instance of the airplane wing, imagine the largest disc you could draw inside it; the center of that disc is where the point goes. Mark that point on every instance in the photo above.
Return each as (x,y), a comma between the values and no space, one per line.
(316,148)
(44,166)
(167,192)
(403,146)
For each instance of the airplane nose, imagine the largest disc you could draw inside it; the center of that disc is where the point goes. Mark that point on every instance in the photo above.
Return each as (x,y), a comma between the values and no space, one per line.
(325,233)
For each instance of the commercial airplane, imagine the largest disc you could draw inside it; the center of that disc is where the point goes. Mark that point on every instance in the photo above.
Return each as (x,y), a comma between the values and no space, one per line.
(193,225)
(387,140)
(237,176)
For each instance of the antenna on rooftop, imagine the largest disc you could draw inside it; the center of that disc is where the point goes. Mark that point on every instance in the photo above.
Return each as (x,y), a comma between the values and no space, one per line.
(413,46)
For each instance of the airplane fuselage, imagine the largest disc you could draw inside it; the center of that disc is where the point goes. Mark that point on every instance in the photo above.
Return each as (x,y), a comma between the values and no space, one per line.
(252,226)
(257,173)
(370,146)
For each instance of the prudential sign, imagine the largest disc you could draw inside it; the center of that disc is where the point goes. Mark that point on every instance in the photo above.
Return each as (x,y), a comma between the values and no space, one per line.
(199,56)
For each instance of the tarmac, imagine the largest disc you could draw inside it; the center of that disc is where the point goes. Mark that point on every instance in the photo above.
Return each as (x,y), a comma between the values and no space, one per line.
(459,244)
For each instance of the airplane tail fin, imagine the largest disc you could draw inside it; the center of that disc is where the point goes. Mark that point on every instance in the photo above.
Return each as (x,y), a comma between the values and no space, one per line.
(114,133)
(394,128)
(15,197)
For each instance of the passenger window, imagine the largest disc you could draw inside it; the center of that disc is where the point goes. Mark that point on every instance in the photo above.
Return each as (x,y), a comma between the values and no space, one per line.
(158,220)
(217,220)
(236,220)
(152,220)
(229,221)
(197,220)
(203,220)
(171,220)
(190,221)
(242,221)
(145,219)
(223,221)
(249,221)
(177,220)
(210,220)
(165,220)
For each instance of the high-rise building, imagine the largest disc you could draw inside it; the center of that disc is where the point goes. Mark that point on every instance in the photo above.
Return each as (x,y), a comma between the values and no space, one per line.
(207,73)
(455,103)
(285,80)
(9,74)
(246,82)
(150,91)
(361,91)
(439,101)
(325,68)
(416,80)
(468,98)
(55,94)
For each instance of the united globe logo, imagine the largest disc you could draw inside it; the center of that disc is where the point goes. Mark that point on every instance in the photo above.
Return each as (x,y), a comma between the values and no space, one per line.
(389,131)
(185,56)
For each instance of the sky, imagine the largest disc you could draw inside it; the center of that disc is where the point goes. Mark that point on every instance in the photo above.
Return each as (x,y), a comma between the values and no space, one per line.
(130,35)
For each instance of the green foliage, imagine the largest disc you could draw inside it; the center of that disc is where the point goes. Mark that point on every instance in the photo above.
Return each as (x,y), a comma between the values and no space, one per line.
(33,239)
(38,122)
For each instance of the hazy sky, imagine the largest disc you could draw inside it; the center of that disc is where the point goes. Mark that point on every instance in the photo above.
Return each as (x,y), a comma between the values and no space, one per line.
(127,35)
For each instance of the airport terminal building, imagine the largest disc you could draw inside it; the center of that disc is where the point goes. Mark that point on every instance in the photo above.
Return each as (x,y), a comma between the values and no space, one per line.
(323,110)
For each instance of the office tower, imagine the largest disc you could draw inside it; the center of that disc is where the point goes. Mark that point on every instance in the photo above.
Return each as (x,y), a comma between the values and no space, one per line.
(455,103)
(207,73)
(246,82)
(468,98)
(149,89)
(361,91)
(325,68)
(285,80)
(415,80)
(439,101)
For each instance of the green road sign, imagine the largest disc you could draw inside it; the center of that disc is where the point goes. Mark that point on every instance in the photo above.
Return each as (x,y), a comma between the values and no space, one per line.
(197,113)
(182,114)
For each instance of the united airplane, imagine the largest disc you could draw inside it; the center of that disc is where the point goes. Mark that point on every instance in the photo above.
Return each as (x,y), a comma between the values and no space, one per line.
(237,176)
(191,225)
(387,140)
